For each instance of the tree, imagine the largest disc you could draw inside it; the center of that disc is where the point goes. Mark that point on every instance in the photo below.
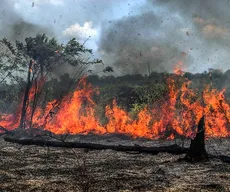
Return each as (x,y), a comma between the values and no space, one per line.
(38,57)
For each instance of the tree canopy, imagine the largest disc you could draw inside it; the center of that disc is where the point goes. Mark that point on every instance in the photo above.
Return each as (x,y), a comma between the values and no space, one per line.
(47,54)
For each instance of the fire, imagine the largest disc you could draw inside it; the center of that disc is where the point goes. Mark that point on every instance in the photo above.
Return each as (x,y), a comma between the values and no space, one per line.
(178,69)
(176,115)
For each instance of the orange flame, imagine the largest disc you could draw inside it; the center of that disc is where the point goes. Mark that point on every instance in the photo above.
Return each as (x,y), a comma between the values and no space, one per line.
(176,115)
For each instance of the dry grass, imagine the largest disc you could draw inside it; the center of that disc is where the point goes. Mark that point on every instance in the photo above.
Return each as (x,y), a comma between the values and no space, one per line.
(32,168)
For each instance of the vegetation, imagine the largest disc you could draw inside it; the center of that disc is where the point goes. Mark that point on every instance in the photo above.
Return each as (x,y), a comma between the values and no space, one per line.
(37,58)
(32,66)
(132,92)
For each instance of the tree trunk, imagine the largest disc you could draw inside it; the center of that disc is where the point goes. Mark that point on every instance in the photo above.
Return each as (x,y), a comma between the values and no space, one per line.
(26,97)
(35,100)
(197,151)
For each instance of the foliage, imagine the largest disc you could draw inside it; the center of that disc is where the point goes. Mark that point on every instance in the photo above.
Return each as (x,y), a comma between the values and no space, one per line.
(47,54)
(132,92)
(38,57)
(9,97)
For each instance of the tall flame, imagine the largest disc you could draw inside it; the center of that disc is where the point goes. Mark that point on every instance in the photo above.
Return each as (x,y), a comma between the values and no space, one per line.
(176,115)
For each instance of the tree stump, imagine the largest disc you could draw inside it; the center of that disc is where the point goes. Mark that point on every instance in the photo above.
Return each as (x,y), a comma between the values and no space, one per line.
(197,151)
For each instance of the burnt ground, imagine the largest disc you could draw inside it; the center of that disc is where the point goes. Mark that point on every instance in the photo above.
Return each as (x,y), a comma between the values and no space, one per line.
(33,168)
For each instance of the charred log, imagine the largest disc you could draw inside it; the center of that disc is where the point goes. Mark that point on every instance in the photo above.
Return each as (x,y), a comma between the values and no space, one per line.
(197,151)
(12,136)
(224,158)
(173,149)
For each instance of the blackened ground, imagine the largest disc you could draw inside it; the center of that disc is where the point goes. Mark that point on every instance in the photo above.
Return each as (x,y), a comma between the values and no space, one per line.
(32,168)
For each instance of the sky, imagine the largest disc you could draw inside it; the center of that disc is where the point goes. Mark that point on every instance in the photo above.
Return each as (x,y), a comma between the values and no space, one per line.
(130,35)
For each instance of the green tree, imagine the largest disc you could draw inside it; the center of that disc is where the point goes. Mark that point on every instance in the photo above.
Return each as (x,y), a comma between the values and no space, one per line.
(37,57)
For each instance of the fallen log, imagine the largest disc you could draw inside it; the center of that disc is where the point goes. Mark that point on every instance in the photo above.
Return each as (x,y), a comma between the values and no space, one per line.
(173,149)
(223,158)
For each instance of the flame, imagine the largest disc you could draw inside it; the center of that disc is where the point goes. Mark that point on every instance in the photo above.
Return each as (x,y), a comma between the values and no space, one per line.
(176,115)
(178,69)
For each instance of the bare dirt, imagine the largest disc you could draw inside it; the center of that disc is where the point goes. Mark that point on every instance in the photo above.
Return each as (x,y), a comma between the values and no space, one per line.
(33,168)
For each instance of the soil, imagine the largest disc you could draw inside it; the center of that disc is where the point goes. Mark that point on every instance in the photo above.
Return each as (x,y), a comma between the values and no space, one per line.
(33,168)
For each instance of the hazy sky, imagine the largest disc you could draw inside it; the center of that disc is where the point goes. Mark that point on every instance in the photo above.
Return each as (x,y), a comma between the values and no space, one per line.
(130,34)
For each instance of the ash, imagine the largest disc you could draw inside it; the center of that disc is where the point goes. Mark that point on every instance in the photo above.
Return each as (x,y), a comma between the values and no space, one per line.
(33,168)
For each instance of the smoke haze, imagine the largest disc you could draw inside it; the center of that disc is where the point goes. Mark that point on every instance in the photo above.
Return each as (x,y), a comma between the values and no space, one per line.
(130,35)
(14,27)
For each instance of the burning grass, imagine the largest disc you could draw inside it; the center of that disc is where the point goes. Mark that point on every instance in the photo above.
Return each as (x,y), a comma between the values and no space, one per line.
(175,115)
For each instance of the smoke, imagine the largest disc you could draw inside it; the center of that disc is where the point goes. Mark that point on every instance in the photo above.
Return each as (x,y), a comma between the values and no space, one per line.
(164,32)
(14,27)
(133,43)
(209,17)
(155,33)
(208,22)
